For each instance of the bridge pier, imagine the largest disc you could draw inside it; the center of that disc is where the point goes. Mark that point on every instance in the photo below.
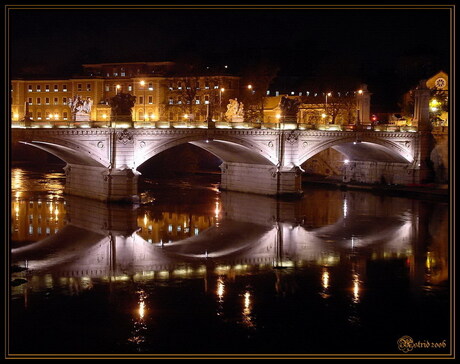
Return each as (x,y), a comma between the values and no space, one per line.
(103,184)
(260,179)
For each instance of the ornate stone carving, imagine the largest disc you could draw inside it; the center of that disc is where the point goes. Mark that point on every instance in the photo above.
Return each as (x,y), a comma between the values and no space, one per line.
(142,144)
(292,137)
(270,144)
(125,137)
(100,144)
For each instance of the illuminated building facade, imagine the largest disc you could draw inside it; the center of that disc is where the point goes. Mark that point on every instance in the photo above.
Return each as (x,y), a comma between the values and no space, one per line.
(157,86)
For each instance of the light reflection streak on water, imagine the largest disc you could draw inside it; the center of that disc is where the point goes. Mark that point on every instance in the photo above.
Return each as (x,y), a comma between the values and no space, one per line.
(247,310)
(139,322)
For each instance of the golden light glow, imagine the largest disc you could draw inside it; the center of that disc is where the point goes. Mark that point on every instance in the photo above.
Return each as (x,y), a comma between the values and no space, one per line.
(118,87)
(152,116)
(104,116)
(185,116)
(16,116)
(220,288)
(360,92)
(222,89)
(142,83)
(217,210)
(325,278)
(356,288)
(323,115)
(145,220)
(250,87)
(329,94)
(278,116)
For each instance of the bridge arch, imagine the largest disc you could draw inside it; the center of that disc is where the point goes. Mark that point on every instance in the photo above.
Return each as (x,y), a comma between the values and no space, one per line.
(70,152)
(363,148)
(226,147)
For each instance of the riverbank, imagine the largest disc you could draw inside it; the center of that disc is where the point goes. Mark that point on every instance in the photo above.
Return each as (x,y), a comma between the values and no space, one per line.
(430,190)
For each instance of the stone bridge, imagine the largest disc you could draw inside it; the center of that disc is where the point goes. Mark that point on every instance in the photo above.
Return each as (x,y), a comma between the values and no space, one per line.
(102,163)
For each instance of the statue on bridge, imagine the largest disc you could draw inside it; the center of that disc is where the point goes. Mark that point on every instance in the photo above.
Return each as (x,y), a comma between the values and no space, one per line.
(80,108)
(121,105)
(235,111)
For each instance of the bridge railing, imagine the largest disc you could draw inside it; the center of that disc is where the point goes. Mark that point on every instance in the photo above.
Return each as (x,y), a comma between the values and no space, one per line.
(221,125)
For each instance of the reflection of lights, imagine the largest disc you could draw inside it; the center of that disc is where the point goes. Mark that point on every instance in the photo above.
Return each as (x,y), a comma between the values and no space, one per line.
(220,288)
(217,210)
(141,309)
(247,300)
(145,220)
(325,278)
(355,288)
(345,208)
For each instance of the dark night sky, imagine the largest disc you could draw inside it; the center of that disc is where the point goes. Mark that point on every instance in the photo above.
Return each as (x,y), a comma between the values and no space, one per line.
(389,49)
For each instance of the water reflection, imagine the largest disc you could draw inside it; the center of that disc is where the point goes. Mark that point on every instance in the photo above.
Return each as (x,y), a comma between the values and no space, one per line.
(74,245)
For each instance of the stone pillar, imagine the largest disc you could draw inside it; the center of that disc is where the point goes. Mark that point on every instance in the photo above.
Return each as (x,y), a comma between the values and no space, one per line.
(260,179)
(363,105)
(100,183)
(425,143)
(422,106)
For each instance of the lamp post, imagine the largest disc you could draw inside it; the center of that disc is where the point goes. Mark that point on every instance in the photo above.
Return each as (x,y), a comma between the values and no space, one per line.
(327,94)
(220,102)
(117,87)
(143,86)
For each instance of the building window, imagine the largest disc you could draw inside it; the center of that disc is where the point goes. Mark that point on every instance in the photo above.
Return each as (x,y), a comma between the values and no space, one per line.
(179,101)
(197,100)
(56,88)
(107,88)
(64,88)
(29,88)
(56,101)
(216,86)
(39,101)
(150,86)
(47,101)
(47,115)
(179,85)
(171,101)
(78,86)
(47,88)
(39,88)
(29,101)
(39,115)
(115,74)
(150,99)
(141,99)
(64,101)
(130,87)
(64,115)
(206,85)
(170,86)
(206,99)
(197,85)
(88,87)
(122,74)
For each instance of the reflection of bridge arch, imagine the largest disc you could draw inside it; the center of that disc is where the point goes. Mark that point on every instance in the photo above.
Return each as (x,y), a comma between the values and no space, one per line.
(364,146)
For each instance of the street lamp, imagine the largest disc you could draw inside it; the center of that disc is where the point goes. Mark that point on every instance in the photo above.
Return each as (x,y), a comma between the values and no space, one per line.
(328,94)
(220,102)
(117,87)
(143,86)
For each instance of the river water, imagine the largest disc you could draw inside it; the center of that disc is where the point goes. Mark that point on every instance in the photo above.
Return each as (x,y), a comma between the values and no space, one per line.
(193,270)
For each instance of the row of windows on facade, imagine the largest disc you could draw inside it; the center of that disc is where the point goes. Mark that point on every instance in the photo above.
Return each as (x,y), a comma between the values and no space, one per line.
(38,101)
(171,86)
(38,88)
(48,115)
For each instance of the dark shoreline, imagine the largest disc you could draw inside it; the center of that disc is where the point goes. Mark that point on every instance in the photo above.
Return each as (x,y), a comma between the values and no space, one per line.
(420,191)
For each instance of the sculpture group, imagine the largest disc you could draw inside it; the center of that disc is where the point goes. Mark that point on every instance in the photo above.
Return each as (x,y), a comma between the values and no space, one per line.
(235,111)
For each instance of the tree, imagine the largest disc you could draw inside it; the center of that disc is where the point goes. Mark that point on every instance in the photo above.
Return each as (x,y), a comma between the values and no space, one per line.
(256,80)
(121,105)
